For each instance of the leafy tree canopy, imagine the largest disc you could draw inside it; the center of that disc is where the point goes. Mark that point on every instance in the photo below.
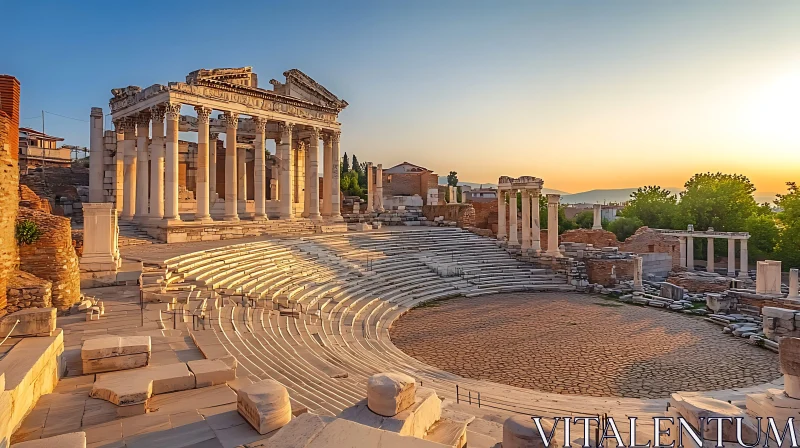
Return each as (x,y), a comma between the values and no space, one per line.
(653,206)
(721,201)
(452,179)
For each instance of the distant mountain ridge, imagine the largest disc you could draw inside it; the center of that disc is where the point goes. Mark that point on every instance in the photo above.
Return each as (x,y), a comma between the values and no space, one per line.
(605,196)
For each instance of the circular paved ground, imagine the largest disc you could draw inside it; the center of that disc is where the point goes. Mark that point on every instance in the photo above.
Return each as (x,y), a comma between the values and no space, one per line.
(580,344)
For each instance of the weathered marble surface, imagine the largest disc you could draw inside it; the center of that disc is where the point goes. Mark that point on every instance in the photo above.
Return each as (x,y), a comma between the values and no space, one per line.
(265,405)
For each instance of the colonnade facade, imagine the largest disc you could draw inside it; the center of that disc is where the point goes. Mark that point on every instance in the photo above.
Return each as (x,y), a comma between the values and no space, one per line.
(686,242)
(529,188)
(299,115)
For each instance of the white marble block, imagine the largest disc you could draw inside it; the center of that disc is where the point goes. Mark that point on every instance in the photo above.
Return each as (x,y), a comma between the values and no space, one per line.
(265,405)
(210,372)
(390,393)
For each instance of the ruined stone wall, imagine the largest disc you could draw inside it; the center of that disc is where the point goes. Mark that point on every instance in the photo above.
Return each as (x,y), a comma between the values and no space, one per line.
(402,184)
(597,238)
(485,215)
(52,257)
(9,181)
(28,291)
(599,270)
(646,240)
(462,214)
(29,199)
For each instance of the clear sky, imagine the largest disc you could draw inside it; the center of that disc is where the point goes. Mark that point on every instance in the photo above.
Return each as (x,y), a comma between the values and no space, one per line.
(585,94)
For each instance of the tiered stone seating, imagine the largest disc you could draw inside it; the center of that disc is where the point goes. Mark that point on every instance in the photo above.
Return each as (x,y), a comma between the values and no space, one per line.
(324,305)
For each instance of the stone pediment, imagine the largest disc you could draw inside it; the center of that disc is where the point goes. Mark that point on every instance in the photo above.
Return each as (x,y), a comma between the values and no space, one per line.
(301,86)
(242,76)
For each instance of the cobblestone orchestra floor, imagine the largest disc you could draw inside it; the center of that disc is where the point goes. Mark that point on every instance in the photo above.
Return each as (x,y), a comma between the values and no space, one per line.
(572,343)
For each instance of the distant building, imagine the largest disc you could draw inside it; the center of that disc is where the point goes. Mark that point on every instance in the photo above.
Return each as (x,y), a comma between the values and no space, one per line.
(407,179)
(608,212)
(480,194)
(37,149)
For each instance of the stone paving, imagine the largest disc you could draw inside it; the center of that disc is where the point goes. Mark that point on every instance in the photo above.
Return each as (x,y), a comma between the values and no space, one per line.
(571,343)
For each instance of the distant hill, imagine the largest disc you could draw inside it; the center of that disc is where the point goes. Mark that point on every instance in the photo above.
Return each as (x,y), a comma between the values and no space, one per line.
(443,181)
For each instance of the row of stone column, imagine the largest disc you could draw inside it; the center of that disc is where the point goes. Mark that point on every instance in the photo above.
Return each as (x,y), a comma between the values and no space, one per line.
(160,200)
(531,229)
(687,255)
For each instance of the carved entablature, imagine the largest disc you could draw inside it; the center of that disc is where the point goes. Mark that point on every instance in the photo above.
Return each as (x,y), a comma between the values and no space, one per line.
(295,79)
(522,182)
(131,95)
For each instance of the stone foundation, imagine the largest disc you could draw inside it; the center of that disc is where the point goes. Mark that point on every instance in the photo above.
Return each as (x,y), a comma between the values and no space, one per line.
(9,200)
(597,238)
(600,271)
(52,257)
(181,232)
(26,290)
(646,240)
(462,214)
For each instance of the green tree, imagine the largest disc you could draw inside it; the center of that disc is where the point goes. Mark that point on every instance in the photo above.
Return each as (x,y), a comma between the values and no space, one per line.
(584,220)
(357,166)
(623,227)
(788,247)
(721,201)
(653,206)
(345,165)
(764,236)
(452,179)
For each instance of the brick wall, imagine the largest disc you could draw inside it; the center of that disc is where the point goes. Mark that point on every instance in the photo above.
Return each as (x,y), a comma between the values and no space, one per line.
(597,238)
(52,257)
(28,291)
(9,203)
(402,184)
(29,199)
(646,240)
(485,215)
(462,214)
(599,270)
(9,103)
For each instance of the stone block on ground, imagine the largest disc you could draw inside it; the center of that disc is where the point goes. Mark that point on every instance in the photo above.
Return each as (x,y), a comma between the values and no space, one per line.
(210,372)
(265,405)
(122,390)
(70,440)
(112,353)
(390,393)
(520,431)
(789,353)
(696,408)
(32,322)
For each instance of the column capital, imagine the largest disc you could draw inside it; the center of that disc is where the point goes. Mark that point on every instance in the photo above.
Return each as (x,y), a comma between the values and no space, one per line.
(158,112)
(126,124)
(143,118)
(173,110)
(231,120)
(286,127)
(203,114)
(315,132)
(260,123)
(336,135)
(213,136)
(553,198)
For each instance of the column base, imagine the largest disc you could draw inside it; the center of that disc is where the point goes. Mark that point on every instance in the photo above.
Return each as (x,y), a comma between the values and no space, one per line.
(731,274)
(525,246)
(203,219)
(260,218)
(555,253)
(315,216)
(597,228)
(126,218)
(231,218)
(743,276)
(155,220)
(536,246)
(513,244)
(141,218)
(337,218)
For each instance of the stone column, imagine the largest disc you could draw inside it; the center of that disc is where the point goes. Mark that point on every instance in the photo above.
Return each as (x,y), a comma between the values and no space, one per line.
(598,217)
(690,253)
(231,120)
(513,231)
(157,114)
(119,166)
(326,175)
(312,175)
(370,189)
(637,273)
(96,191)
(501,215)
(285,181)
(142,164)
(259,169)
(731,257)
(536,232)
(129,174)
(379,188)
(793,284)
(743,274)
(241,180)
(273,181)
(212,165)
(336,200)
(710,255)
(552,225)
(682,242)
(526,219)
(171,160)
(203,190)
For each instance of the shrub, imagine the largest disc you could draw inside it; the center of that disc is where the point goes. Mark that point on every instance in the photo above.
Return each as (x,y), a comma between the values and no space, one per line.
(27,232)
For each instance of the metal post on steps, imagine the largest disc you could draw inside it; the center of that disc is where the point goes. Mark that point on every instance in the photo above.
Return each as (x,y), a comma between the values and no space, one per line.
(141,305)
(457,397)
(469,394)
